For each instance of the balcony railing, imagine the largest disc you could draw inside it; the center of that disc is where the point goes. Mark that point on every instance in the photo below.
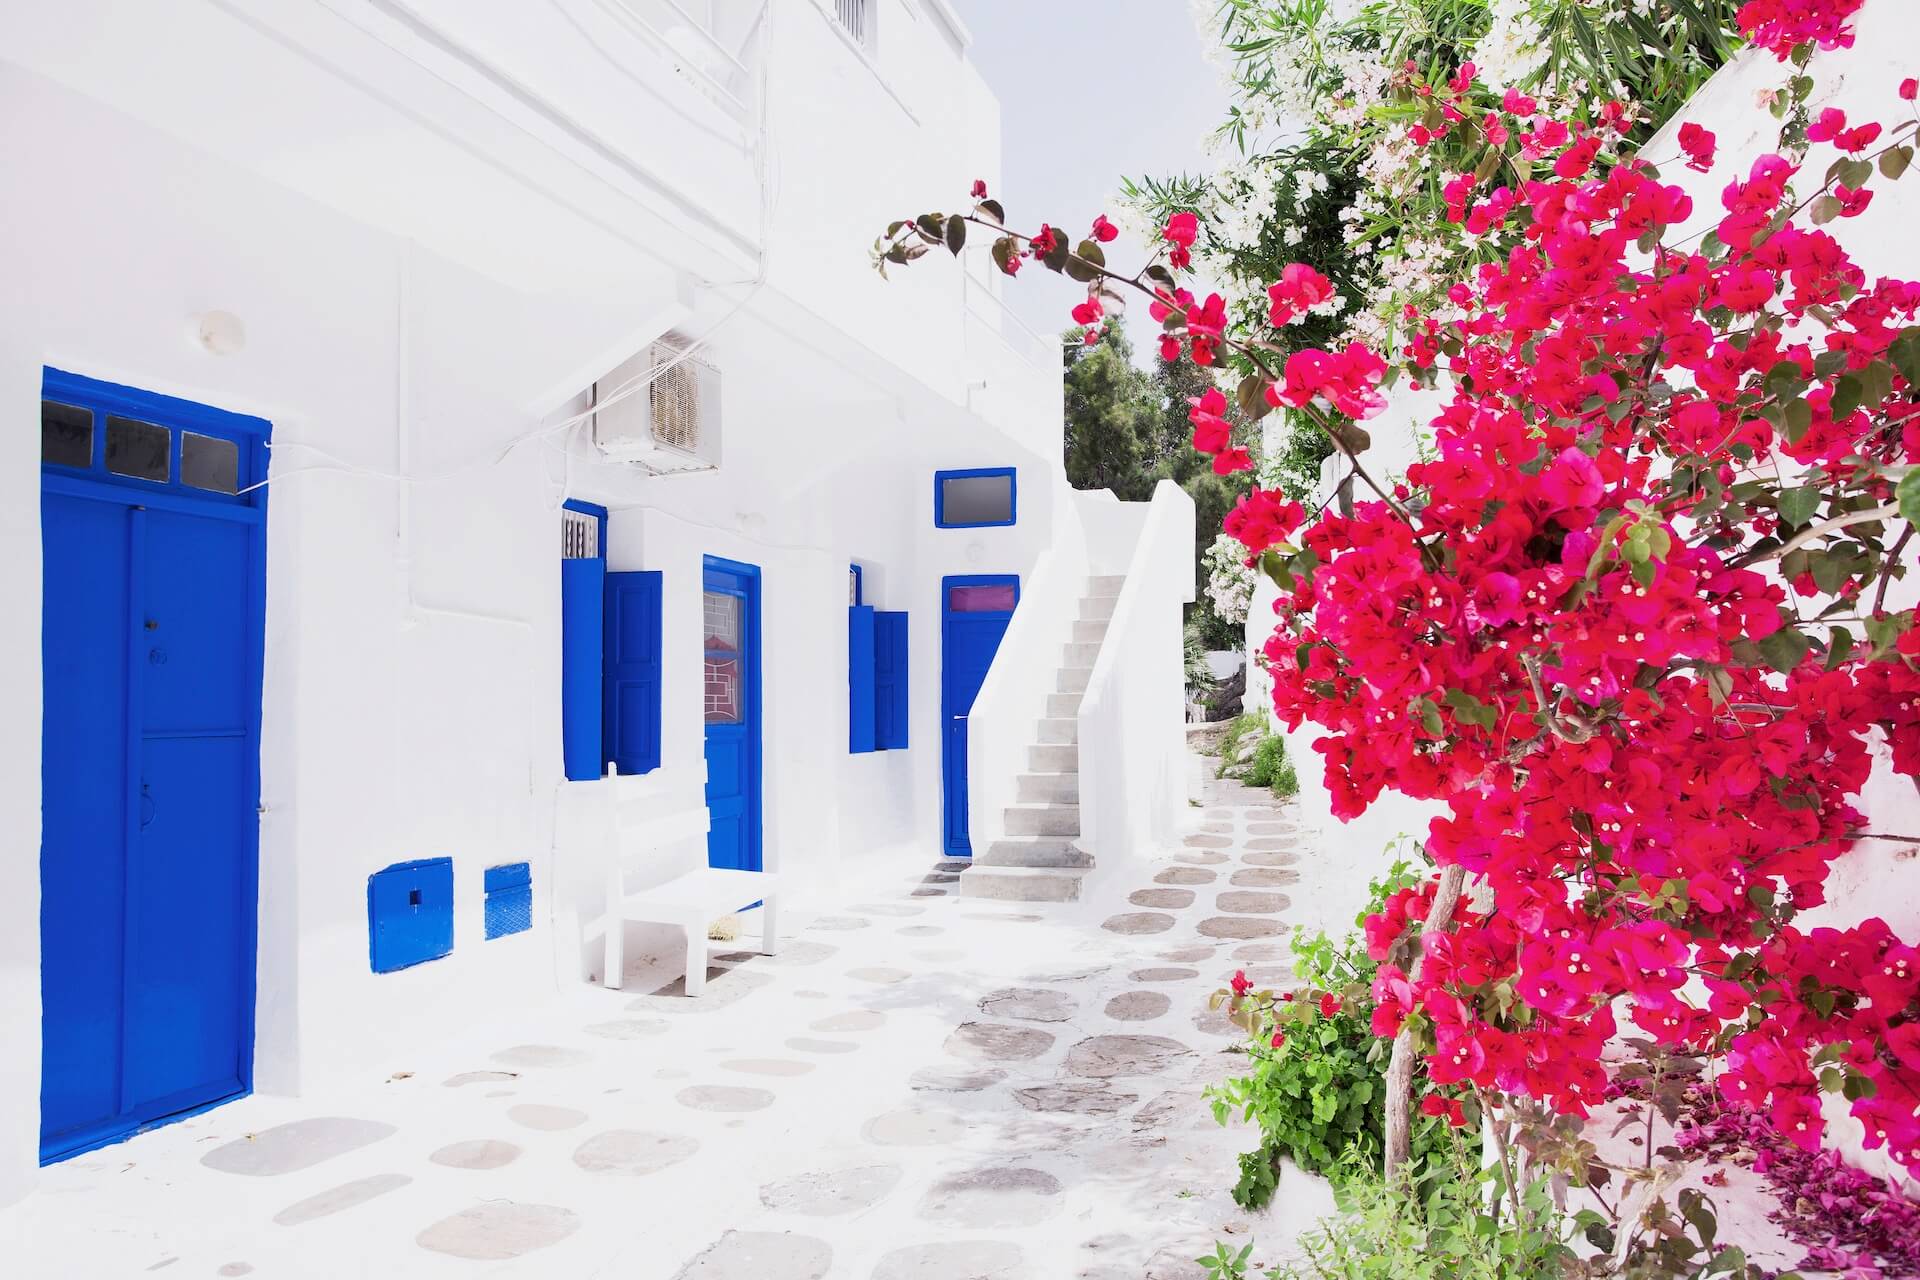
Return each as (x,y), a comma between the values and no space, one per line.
(719,56)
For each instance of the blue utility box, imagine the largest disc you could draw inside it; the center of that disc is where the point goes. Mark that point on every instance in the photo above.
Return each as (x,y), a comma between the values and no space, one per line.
(509,899)
(410,913)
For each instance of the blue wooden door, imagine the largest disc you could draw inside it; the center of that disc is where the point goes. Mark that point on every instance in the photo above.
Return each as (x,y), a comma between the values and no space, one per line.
(974,612)
(730,675)
(151,642)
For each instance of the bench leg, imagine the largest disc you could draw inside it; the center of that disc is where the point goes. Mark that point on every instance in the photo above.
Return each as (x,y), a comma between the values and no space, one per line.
(696,980)
(769,937)
(615,962)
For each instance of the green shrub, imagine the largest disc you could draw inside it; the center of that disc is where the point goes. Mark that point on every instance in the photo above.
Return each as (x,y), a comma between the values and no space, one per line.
(1319,1097)
(1269,767)
(1243,733)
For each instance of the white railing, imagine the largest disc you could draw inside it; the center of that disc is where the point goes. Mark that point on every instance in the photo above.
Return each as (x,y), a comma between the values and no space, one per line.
(1026,667)
(984,303)
(722,64)
(1133,763)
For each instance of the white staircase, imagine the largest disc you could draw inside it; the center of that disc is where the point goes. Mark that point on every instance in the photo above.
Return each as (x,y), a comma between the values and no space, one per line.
(1040,859)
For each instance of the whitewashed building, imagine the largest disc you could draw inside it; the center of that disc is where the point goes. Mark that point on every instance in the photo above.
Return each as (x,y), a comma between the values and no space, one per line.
(444,404)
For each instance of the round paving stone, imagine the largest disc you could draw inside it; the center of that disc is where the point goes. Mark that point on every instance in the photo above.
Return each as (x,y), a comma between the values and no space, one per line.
(840,923)
(1215,1022)
(1208,842)
(767,1066)
(919,930)
(347,1195)
(990,1042)
(954,1260)
(957,1079)
(994,1197)
(879,975)
(1028,1004)
(1169,899)
(1263,878)
(909,1127)
(1240,927)
(1271,828)
(931,891)
(1275,975)
(478,1077)
(1258,951)
(1138,1006)
(498,1230)
(633,1152)
(724,1098)
(1245,902)
(1139,922)
(533,1115)
(852,1020)
(1185,875)
(807,1044)
(1187,955)
(1217,828)
(541,1055)
(760,1255)
(1200,857)
(1163,975)
(1270,859)
(296,1145)
(1079,1097)
(889,909)
(480,1153)
(1270,844)
(725,986)
(1104,1057)
(627,1028)
(822,1195)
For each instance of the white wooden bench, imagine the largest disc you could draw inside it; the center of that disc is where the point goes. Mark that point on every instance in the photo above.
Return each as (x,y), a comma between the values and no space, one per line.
(640,822)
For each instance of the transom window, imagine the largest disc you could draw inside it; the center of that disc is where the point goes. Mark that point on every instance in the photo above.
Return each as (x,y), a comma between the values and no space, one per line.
(103,432)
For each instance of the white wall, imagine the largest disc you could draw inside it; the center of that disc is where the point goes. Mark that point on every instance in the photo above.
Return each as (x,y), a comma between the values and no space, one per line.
(1133,758)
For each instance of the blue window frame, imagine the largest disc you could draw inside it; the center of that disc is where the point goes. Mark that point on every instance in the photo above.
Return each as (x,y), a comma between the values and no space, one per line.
(979,498)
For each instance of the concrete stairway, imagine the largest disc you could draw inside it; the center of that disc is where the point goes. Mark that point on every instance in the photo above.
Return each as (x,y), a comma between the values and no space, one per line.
(1040,859)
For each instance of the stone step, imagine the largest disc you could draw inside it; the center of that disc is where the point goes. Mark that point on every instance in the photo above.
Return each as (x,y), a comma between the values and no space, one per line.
(1047,788)
(1082,654)
(1043,819)
(1097,608)
(1058,731)
(1022,884)
(1106,586)
(1043,851)
(1090,631)
(1054,757)
(1063,705)
(1074,679)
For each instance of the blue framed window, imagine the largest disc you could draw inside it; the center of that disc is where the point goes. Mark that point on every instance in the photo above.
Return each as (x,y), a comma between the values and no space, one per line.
(979,498)
(160,445)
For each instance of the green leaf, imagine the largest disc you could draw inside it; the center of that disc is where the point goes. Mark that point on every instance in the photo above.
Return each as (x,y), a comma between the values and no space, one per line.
(1825,209)
(956,234)
(1003,251)
(1847,394)
(1905,353)
(1894,163)
(1798,505)
(1784,648)
(933,228)
(1907,494)
(1798,415)
(1469,709)
(1092,252)
(1429,716)
(992,209)
(1839,645)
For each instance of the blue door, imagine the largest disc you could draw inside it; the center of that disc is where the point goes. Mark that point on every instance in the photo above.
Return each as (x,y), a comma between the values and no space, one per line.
(154,556)
(974,612)
(730,625)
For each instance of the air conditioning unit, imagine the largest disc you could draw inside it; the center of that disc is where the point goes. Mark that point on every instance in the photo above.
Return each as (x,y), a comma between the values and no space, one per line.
(660,410)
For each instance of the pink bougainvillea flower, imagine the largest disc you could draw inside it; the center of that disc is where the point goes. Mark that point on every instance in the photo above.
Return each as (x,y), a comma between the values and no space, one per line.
(1180,232)
(1909,89)
(1228,461)
(1852,202)
(1045,241)
(1329,1005)
(1518,104)
(1211,430)
(1240,983)
(1299,289)
(1827,125)
(979,188)
(1090,311)
(1103,231)
(1698,144)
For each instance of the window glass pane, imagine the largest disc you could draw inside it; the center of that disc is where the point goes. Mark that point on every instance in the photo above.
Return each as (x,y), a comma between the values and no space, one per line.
(996,598)
(137,449)
(976,500)
(723,691)
(207,462)
(721,620)
(66,434)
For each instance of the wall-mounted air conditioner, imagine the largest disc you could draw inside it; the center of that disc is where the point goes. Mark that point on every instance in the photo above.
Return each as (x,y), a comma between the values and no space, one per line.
(660,410)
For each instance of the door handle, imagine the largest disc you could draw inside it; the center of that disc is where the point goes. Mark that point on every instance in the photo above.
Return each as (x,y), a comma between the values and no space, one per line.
(146,806)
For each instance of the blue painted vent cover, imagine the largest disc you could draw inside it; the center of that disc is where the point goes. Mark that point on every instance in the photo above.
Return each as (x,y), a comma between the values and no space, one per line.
(410,913)
(509,899)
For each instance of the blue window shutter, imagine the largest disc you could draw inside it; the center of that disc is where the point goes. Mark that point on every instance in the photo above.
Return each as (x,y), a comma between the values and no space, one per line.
(633,671)
(890,680)
(582,595)
(860,678)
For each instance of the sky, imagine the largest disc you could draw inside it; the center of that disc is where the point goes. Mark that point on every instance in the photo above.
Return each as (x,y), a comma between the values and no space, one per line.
(1088,94)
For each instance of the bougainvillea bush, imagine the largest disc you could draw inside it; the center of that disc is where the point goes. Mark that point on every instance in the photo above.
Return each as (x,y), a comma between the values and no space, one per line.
(1629,626)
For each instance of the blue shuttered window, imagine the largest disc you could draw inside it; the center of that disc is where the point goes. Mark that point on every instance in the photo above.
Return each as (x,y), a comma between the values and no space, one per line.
(583,582)
(632,674)
(890,683)
(860,678)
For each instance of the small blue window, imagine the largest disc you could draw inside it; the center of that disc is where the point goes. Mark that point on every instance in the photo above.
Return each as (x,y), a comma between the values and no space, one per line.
(981,498)
(509,899)
(410,913)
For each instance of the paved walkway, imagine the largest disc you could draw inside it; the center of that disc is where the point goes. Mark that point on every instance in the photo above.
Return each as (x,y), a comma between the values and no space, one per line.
(919,1087)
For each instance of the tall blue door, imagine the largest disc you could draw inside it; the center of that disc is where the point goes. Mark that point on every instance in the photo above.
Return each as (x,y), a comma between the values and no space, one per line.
(974,612)
(151,641)
(730,627)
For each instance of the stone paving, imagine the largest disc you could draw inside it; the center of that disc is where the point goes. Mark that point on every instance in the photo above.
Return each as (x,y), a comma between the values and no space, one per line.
(917,1088)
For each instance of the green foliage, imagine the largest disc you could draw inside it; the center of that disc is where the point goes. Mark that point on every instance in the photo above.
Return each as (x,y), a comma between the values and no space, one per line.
(1271,768)
(1243,733)
(1319,1098)
(1110,416)
(1199,676)
(1225,1264)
